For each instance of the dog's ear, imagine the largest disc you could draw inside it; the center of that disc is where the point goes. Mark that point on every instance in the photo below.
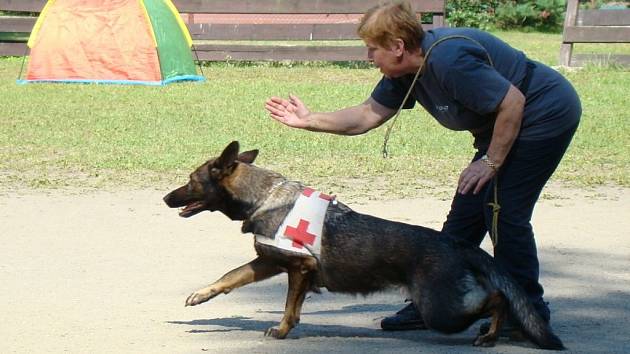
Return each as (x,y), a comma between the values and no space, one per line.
(228,156)
(248,156)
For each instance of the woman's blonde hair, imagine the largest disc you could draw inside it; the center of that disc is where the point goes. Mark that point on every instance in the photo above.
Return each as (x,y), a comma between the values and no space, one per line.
(383,23)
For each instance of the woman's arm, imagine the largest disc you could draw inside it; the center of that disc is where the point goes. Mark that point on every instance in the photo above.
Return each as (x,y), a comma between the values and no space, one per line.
(347,121)
(506,128)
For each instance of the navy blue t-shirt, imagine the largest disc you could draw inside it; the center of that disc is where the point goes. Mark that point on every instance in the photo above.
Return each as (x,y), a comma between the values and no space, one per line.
(462,89)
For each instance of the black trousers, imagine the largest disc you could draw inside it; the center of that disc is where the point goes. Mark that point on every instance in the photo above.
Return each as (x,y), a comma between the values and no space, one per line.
(526,170)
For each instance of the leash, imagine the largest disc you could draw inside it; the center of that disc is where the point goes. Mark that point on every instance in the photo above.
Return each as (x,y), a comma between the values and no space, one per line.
(494,233)
(496,207)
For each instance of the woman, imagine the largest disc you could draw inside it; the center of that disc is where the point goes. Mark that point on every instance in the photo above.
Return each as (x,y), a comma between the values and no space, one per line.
(521,113)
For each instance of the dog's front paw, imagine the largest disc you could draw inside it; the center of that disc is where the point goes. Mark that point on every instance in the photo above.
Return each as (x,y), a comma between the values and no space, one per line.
(485,341)
(276,333)
(201,296)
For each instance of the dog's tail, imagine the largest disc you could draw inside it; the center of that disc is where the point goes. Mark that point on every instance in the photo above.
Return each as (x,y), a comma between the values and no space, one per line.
(522,311)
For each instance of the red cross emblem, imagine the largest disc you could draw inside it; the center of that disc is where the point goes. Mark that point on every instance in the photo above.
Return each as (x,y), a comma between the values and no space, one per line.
(309,191)
(299,235)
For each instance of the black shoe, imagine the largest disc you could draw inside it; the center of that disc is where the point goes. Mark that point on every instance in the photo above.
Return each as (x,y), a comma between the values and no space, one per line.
(406,319)
(508,330)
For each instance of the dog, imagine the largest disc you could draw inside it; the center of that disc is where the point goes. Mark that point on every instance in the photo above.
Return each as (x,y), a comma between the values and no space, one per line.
(451,282)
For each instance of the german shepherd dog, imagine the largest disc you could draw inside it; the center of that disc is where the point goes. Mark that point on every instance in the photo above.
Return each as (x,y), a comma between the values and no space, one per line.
(451,282)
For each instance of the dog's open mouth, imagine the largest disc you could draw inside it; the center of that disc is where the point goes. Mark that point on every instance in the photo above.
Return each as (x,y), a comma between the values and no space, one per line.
(192,209)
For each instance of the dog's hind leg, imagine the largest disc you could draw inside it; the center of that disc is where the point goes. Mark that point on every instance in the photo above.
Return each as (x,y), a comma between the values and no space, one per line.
(299,284)
(497,307)
(256,270)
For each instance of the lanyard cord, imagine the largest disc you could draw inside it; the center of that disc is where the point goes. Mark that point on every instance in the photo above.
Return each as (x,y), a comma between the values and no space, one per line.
(494,233)
(415,78)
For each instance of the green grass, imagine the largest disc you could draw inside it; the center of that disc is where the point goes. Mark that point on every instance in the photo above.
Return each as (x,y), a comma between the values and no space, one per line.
(94,136)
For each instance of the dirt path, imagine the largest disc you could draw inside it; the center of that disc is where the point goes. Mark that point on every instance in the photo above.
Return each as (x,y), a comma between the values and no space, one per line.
(104,272)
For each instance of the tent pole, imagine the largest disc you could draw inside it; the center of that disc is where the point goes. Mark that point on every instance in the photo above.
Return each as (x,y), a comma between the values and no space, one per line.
(23,61)
(198,61)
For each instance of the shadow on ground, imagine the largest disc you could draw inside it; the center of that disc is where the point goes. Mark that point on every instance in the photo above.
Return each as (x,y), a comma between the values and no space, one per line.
(589,294)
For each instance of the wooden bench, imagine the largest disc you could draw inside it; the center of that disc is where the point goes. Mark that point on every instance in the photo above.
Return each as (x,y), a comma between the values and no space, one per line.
(15,30)
(594,26)
(245,30)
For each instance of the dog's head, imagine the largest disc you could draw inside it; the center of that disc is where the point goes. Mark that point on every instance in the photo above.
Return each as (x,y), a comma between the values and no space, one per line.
(209,185)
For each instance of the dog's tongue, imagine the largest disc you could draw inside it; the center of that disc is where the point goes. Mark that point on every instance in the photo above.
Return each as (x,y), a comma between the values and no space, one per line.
(191,209)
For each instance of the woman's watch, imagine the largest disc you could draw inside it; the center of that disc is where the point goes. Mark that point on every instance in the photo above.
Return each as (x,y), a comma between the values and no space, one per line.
(489,162)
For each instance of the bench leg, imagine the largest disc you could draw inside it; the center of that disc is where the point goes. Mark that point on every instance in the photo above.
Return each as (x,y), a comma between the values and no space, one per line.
(566,50)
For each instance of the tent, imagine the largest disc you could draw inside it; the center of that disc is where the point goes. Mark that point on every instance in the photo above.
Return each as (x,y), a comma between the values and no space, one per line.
(110,41)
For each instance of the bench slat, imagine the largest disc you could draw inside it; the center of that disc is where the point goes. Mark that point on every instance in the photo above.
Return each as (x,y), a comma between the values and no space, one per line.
(603,18)
(213,52)
(600,59)
(596,34)
(307,7)
(12,49)
(252,6)
(22,5)
(257,32)
(17,24)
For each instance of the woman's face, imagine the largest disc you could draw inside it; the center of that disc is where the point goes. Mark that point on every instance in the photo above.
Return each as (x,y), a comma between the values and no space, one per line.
(385,58)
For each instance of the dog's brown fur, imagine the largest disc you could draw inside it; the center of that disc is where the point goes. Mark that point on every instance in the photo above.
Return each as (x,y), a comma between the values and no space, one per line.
(452,283)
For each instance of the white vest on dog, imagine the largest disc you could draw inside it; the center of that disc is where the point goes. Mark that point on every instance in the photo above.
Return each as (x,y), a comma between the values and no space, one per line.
(301,230)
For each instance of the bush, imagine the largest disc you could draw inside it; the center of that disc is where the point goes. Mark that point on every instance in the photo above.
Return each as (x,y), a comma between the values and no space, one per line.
(470,13)
(544,15)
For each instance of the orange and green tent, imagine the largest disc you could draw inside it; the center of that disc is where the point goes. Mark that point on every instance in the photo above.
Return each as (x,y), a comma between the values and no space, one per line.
(110,41)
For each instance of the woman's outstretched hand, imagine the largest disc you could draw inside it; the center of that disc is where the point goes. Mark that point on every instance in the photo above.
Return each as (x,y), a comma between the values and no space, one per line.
(291,112)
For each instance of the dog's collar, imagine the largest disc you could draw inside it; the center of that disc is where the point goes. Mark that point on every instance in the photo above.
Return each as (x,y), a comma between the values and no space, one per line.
(272,190)
(276,186)
(302,229)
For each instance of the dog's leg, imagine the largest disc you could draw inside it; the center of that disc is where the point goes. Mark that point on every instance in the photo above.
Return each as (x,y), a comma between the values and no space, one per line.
(497,307)
(256,270)
(299,283)
(307,267)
